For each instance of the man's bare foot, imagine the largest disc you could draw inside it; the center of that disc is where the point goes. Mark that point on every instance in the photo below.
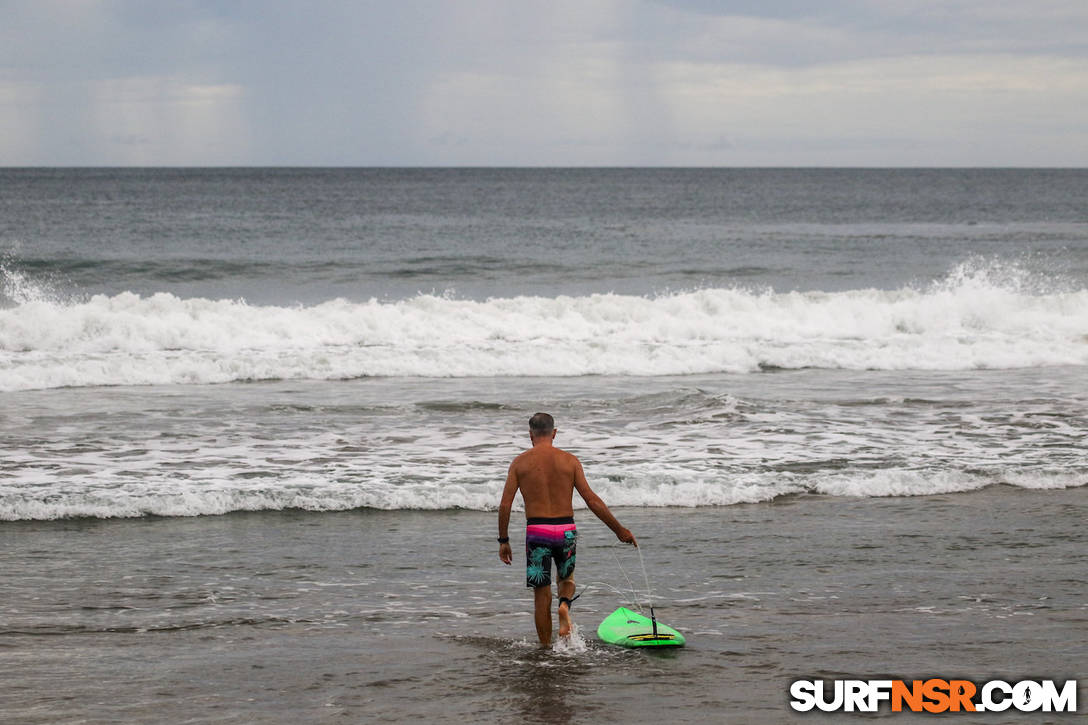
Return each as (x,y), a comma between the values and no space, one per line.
(564,619)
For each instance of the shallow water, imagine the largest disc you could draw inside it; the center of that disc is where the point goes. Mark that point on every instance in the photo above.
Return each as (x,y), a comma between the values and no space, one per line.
(387,616)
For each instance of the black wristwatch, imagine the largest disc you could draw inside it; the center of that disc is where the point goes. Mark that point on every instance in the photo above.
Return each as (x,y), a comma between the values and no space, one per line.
(503,539)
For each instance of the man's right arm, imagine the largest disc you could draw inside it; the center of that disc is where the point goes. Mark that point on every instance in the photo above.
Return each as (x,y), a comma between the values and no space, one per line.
(598,507)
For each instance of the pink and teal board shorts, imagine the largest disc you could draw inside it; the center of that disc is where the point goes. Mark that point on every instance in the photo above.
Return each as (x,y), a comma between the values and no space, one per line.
(547,540)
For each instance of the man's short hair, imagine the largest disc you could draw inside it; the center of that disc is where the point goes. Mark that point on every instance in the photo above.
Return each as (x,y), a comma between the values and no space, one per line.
(541,424)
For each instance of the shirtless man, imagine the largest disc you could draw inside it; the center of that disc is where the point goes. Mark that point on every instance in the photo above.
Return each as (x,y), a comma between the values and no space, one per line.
(547,477)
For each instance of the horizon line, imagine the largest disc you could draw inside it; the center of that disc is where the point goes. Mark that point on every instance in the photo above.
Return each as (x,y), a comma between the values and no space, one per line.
(527,167)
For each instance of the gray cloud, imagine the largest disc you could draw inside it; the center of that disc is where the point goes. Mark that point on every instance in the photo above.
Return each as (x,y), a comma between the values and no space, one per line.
(658,82)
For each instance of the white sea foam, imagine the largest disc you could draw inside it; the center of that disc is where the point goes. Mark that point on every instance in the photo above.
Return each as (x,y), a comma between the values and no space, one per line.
(571,645)
(978,317)
(197,497)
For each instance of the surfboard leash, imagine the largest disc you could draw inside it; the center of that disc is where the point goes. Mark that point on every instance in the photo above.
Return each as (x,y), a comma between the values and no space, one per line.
(634,592)
(649,591)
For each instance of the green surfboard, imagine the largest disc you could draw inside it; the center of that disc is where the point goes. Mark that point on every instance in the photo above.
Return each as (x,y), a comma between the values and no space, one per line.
(631,629)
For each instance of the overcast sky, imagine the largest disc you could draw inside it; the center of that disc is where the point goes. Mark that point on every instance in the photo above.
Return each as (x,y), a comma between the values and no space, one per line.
(551,83)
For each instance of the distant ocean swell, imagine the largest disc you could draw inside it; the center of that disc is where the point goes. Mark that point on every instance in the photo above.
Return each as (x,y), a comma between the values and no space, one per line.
(975,318)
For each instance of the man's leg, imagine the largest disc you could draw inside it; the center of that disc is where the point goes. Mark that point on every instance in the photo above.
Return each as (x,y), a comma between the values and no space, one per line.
(566,590)
(542,599)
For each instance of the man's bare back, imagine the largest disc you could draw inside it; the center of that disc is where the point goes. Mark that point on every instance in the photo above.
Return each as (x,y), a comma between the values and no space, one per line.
(547,478)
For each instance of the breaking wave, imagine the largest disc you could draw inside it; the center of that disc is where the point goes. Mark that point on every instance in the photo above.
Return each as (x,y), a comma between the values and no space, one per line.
(978,316)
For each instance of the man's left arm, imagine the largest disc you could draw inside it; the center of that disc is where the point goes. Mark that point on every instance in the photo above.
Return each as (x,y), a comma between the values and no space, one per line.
(506,554)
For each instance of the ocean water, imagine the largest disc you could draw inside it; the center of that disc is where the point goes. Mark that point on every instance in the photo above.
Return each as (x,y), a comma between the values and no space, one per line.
(351,355)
